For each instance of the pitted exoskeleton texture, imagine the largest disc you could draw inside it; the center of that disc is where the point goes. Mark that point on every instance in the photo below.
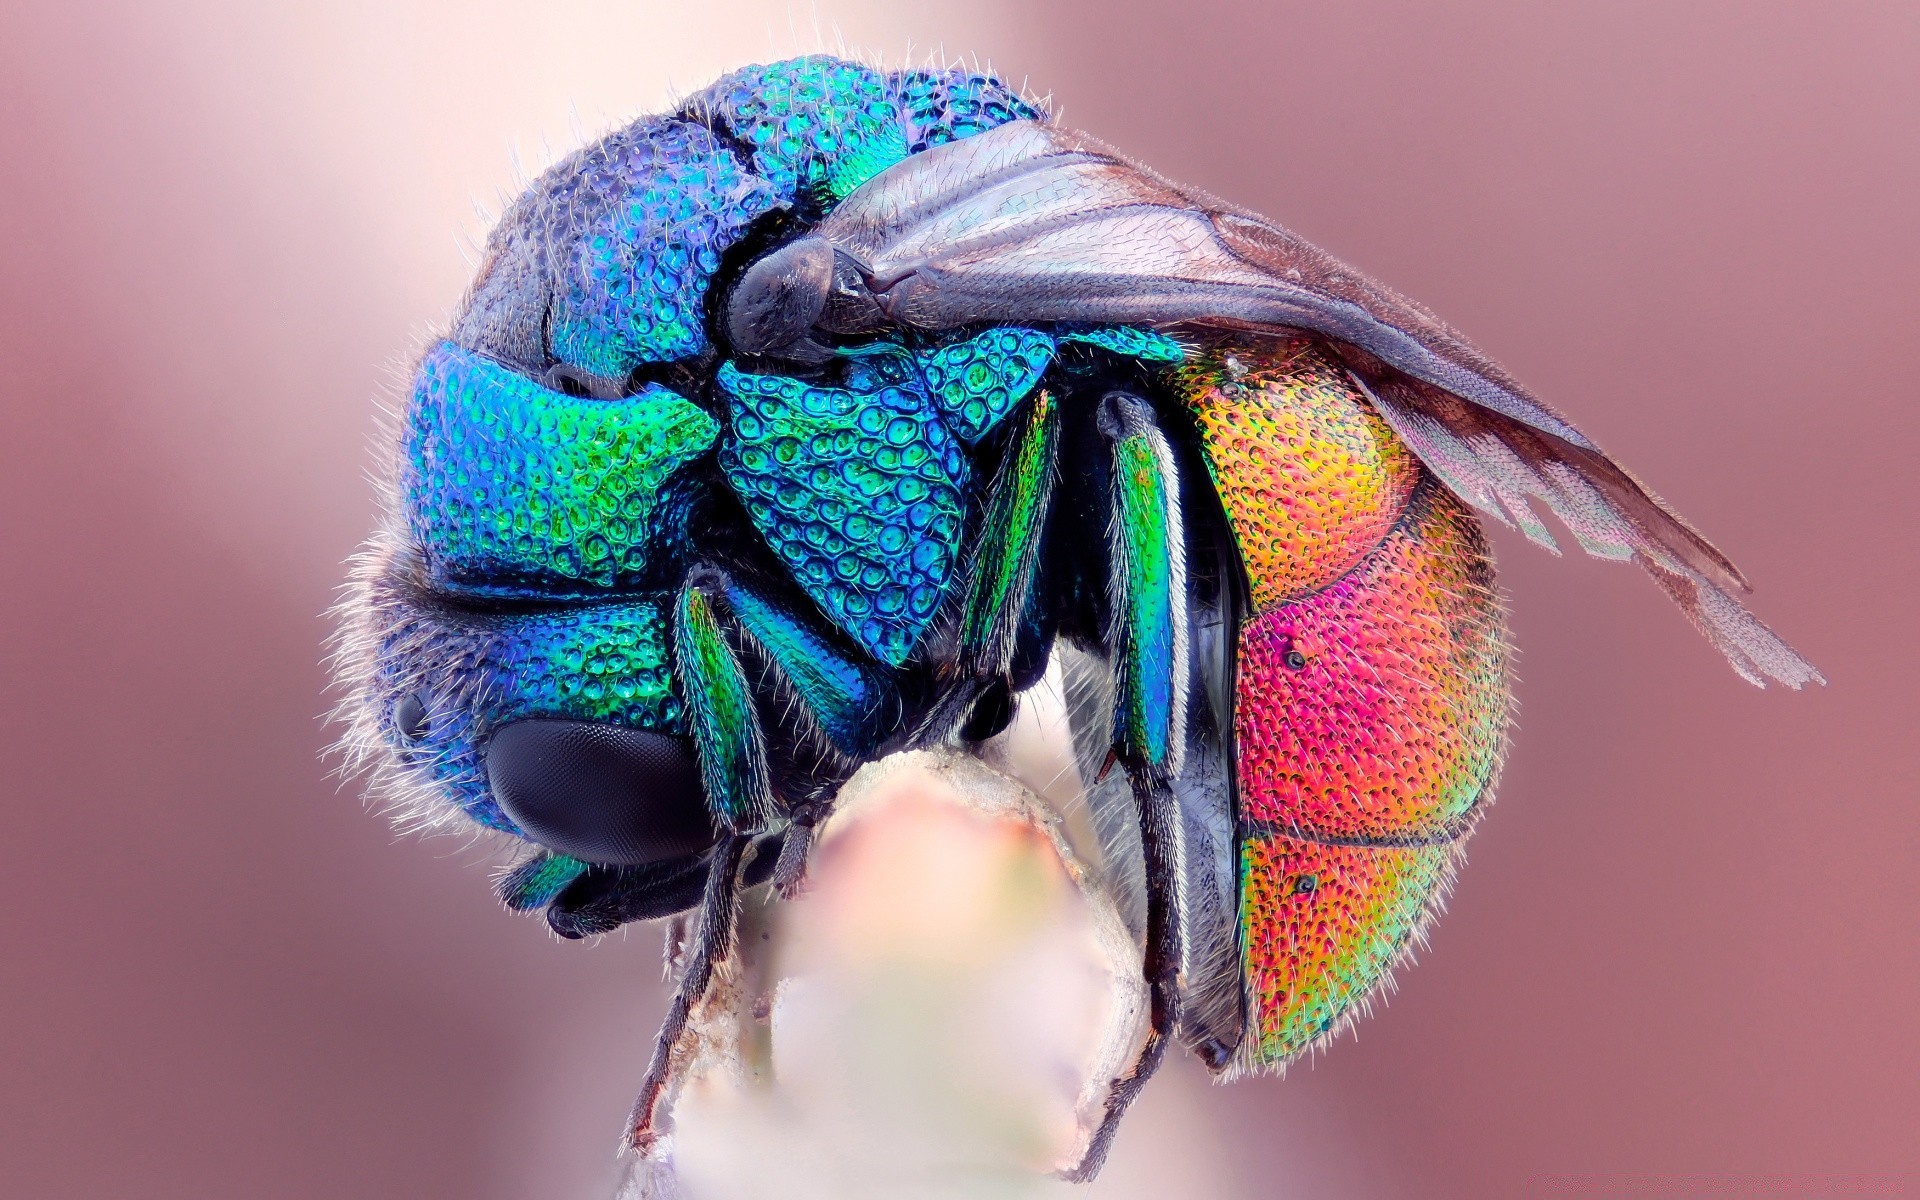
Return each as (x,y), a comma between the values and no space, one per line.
(515,489)
(940,105)
(812,421)
(819,127)
(605,263)
(860,494)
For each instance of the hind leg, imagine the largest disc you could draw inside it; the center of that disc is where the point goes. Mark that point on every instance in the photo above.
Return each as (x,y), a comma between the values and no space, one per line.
(1147,639)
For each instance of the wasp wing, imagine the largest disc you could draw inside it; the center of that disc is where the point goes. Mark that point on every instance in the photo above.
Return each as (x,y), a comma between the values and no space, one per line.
(1030,222)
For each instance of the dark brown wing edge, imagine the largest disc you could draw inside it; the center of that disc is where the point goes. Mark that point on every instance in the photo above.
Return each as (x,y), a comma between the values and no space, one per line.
(1498,466)
(1029,222)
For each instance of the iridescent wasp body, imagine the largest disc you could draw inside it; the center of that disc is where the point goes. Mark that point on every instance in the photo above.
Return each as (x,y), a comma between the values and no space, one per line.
(813,421)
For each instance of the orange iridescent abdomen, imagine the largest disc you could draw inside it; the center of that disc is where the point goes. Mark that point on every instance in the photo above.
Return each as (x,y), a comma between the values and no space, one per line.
(1371,691)
(1311,478)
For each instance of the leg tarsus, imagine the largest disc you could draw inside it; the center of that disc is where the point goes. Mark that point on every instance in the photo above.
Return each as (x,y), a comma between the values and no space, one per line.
(790,872)
(1126,1089)
(1161,967)
(714,943)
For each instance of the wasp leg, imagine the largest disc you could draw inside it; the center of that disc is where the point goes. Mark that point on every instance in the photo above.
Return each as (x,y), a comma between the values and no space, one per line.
(719,910)
(997,633)
(1147,590)
(1212,1006)
(1147,638)
(996,609)
(733,764)
(720,709)
(790,873)
(1000,589)
(837,707)
(1160,966)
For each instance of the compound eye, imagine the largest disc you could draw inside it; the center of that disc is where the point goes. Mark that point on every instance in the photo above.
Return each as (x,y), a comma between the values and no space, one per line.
(601,793)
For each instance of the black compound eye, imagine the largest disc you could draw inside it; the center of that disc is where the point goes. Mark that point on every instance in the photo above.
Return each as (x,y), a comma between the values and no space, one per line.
(601,793)
(410,717)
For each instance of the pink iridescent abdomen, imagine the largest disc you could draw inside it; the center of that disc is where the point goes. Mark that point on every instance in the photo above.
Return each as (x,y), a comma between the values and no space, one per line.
(1371,695)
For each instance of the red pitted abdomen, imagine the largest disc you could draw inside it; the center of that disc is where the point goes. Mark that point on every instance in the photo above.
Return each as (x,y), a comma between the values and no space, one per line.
(1372,694)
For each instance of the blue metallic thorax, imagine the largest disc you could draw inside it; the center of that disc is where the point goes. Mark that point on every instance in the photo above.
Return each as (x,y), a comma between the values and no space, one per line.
(861,495)
(661,205)
(820,127)
(552,530)
(862,492)
(517,489)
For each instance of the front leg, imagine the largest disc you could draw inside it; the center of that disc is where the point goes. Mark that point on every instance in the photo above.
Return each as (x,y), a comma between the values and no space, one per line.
(733,762)
(713,946)
(834,699)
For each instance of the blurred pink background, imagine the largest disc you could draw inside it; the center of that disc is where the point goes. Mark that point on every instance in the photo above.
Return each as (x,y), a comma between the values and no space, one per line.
(1686,943)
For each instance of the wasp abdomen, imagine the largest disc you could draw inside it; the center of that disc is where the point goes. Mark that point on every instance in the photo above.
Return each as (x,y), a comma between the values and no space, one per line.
(1374,710)
(1311,478)
(1371,689)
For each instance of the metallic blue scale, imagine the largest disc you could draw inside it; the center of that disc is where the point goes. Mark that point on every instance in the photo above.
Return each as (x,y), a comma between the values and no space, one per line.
(846,699)
(598,663)
(656,205)
(861,495)
(973,383)
(938,106)
(818,127)
(513,488)
(1147,345)
(977,382)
